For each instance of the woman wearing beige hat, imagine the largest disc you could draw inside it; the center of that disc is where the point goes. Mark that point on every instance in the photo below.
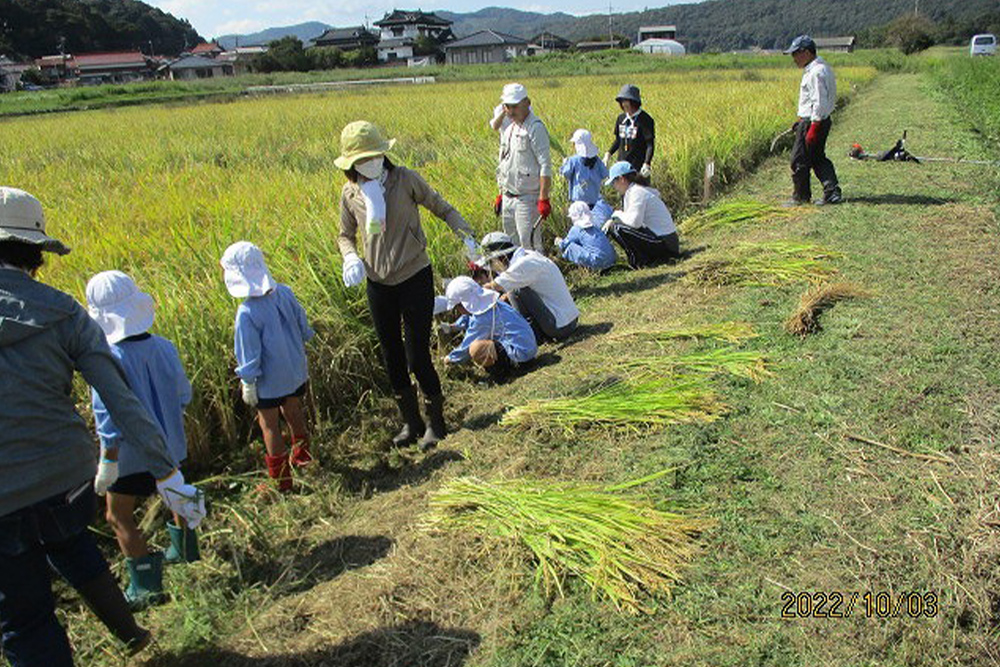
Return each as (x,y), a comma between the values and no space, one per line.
(382,199)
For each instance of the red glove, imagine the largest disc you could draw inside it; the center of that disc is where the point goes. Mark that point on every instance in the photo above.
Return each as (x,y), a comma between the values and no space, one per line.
(544,208)
(498,204)
(812,134)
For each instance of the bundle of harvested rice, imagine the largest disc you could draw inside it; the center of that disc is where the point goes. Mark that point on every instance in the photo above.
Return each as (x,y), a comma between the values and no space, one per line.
(628,404)
(731,213)
(741,363)
(620,546)
(805,320)
(730,332)
(769,263)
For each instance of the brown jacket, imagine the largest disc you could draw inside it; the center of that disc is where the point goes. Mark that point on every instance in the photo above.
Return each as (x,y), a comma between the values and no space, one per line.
(400,251)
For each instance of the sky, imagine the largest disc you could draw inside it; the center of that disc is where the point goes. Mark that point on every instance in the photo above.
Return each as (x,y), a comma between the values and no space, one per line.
(213,18)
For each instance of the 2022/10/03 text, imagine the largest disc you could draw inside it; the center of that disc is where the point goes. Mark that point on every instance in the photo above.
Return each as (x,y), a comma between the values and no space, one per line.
(882,604)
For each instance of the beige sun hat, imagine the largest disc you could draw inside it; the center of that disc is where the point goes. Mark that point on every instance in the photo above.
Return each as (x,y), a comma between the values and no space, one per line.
(361,140)
(22,219)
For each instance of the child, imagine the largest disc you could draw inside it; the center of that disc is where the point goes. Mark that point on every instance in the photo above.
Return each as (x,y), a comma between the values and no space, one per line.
(271,332)
(153,370)
(497,338)
(586,244)
(584,173)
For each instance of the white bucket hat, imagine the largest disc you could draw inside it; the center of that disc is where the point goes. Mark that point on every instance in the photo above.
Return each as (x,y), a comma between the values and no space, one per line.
(22,219)
(466,291)
(579,213)
(246,272)
(584,143)
(513,93)
(119,306)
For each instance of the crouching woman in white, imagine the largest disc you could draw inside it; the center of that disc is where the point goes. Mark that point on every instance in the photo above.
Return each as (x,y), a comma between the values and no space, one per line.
(644,227)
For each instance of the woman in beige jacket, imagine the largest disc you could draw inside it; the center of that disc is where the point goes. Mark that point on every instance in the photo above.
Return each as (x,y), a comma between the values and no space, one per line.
(381,199)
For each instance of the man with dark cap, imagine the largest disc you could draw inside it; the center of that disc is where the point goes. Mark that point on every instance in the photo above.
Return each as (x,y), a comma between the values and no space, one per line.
(817,99)
(635,132)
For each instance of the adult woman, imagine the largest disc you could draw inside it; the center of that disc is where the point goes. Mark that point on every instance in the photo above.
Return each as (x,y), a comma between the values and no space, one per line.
(644,227)
(635,132)
(382,199)
(47,475)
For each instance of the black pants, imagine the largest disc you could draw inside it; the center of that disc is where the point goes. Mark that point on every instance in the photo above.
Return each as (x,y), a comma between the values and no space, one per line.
(642,247)
(409,307)
(543,322)
(806,159)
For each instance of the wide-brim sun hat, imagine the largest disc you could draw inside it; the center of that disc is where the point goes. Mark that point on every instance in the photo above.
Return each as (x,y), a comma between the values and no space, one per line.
(513,93)
(496,244)
(619,169)
(117,304)
(246,273)
(629,92)
(583,142)
(361,140)
(22,219)
(474,297)
(579,213)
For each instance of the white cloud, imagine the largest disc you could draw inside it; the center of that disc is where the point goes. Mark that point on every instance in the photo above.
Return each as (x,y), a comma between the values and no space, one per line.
(240,27)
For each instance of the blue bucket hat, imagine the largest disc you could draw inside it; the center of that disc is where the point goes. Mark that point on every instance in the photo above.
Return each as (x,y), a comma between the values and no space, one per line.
(619,169)
(802,43)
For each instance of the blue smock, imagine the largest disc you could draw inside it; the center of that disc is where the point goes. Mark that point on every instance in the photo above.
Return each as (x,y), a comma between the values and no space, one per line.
(589,248)
(584,182)
(501,323)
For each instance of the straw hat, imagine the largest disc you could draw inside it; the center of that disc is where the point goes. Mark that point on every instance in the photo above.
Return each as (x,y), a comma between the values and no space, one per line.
(475,298)
(119,306)
(246,273)
(361,140)
(22,219)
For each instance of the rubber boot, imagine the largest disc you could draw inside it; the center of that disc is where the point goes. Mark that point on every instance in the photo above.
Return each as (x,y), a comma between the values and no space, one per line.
(301,456)
(105,599)
(183,545)
(278,469)
(436,430)
(145,586)
(413,425)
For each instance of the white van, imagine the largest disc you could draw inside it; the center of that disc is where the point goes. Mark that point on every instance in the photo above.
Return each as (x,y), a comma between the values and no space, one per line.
(983,45)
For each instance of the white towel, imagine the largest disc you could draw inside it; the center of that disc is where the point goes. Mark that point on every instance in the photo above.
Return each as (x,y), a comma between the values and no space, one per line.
(373,193)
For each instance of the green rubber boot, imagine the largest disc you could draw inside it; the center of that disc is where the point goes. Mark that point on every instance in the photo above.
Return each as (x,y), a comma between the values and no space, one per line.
(145,586)
(183,545)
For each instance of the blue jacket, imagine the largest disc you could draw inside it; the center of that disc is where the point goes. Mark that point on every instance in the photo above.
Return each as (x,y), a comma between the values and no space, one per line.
(501,323)
(271,333)
(589,248)
(45,446)
(584,182)
(153,369)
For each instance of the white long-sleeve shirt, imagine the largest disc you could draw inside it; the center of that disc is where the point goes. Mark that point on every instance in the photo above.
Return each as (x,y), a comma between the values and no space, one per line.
(642,207)
(818,92)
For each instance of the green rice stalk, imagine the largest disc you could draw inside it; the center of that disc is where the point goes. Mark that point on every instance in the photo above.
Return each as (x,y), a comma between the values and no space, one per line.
(740,363)
(620,546)
(769,263)
(731,213)
(730,332)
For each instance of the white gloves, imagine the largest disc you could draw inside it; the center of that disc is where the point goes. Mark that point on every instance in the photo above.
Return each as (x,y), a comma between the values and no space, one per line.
(249,390)
(183,499)
(354,270)
(646,172)
(107,474)
(446,329)
(470,248)
(607,159)
(559,241)
(606,227)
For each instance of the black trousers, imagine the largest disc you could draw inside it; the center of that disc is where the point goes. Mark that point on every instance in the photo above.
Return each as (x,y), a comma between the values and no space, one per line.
(642,247)
(402,315)
(805,159)
(543,322)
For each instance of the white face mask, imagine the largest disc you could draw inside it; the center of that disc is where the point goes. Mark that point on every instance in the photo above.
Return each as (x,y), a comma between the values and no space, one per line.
(370,169)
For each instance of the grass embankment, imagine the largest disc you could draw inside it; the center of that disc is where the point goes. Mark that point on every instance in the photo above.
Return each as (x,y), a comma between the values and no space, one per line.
(866,464)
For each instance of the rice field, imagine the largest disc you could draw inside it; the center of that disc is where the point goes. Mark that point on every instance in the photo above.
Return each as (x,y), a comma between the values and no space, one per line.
(160,191)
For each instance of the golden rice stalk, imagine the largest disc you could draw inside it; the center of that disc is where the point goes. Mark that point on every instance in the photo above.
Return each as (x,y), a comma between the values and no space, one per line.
(816,300)
(740,363)
(729,332)
(769,263)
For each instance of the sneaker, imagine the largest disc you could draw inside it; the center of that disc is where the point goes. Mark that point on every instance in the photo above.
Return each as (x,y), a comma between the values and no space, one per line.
(795,202)
(835,198)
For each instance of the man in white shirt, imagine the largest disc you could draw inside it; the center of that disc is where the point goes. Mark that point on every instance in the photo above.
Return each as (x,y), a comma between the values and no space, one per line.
(533,284)
(817,99)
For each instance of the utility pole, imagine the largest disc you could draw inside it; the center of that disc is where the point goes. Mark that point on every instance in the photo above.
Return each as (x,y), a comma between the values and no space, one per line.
(916,7)
(611,36)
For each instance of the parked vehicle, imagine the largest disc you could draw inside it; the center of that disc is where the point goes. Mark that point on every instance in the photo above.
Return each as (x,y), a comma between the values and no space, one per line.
(983,45)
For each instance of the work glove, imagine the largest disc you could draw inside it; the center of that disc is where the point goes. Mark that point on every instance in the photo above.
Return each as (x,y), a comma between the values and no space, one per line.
(645,172)
(440,304)
(606,227)
(498,204)
(559,242)
(249,391)
(607,159)
(471,248)
(812,134)
(183,499)
(354,270)
(446,329)
(107,474)
(544,208)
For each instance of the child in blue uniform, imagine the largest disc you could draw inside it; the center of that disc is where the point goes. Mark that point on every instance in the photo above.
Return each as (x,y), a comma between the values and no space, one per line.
(497,337)
(154,372)
(586,244)
(584,173)
(271,333)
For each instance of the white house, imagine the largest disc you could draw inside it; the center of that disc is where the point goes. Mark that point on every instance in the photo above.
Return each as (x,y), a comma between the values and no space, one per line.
(400,29)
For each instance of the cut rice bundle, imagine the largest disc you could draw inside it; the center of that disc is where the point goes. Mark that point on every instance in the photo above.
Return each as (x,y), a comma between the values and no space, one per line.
(730,332)
(738,211)
(815,301)
(769,263)
(740,363)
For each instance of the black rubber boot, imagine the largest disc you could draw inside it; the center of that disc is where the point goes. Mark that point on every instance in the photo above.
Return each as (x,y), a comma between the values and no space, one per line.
(413,425)
(105,599)
(436,430)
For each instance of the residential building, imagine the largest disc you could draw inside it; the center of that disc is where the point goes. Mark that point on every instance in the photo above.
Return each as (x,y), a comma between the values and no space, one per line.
(347,39)
(400,29)
(835,44)
(241,58)
(187,68)
(602,45)
(485,46)
(548,41)
(97,68)
(10,74)
(657,32)
(208,50)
